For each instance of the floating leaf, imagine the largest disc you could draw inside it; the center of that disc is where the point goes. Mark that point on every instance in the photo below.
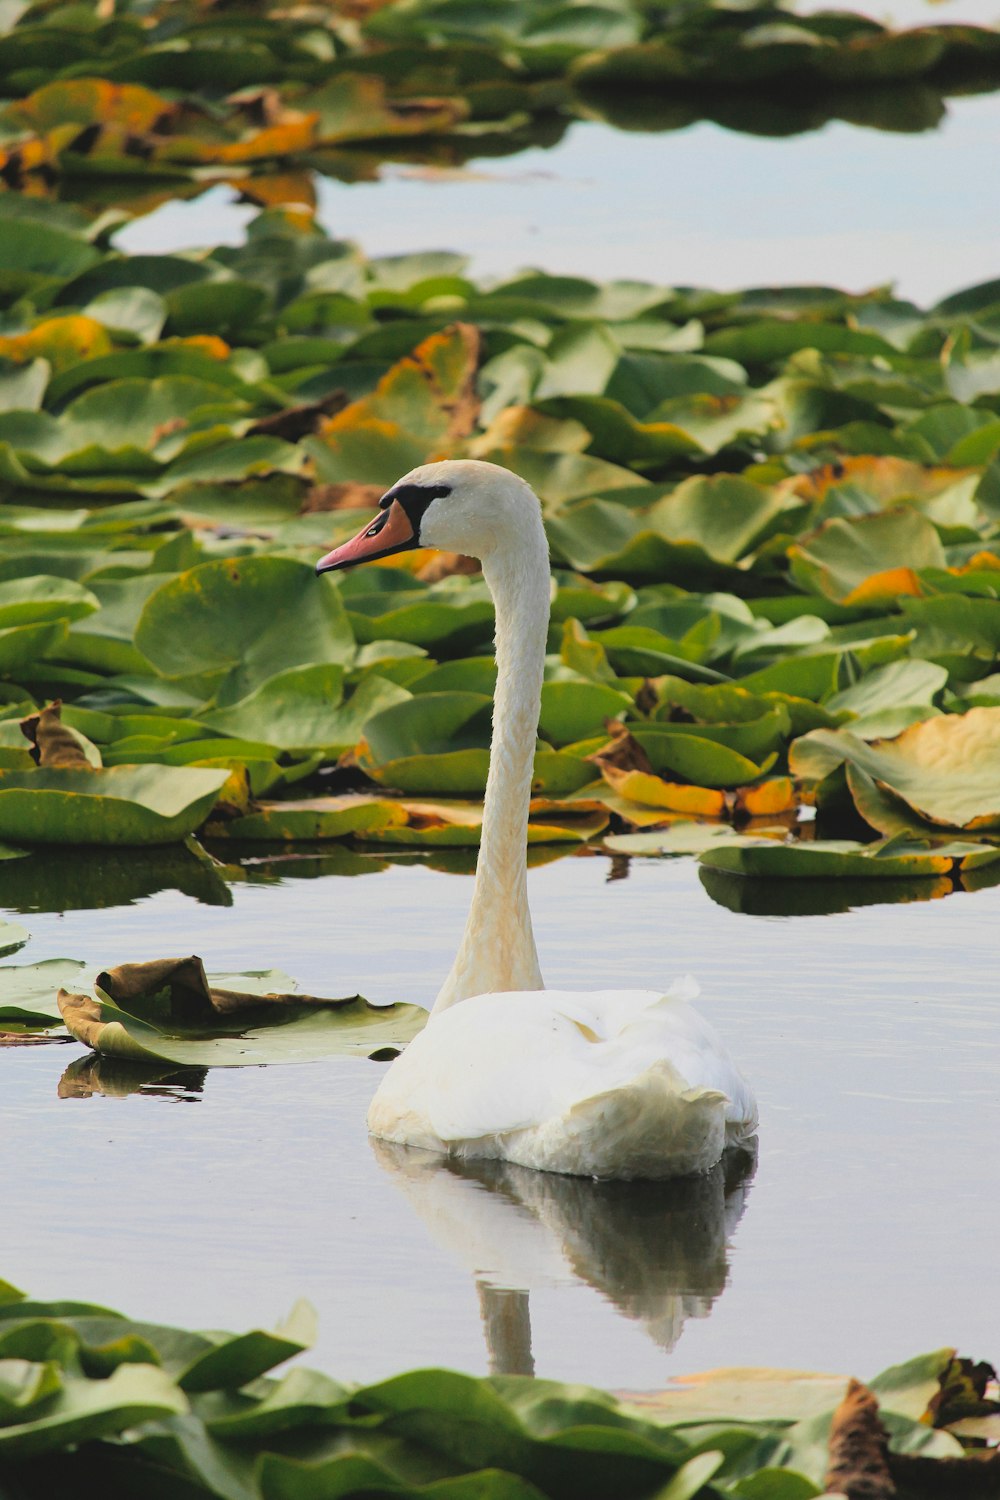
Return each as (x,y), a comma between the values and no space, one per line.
(168,1010)
(416,411)
(654,791)
(947,769)
(462,773)
(870,560)
(118,805)
(249,618)
(312,818)
(28,991)
(303,709)
(696,759)
(819,859)
(83,1410)
(681,837)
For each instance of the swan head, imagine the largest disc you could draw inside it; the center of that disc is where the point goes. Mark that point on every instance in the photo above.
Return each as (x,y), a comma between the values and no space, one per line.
(459,505)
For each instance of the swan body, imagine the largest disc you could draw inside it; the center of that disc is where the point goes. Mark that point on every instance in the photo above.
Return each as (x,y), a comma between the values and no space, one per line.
(614,1083)
(617,1083)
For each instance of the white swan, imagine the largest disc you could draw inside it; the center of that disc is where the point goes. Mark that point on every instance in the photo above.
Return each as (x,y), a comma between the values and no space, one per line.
(613,1083)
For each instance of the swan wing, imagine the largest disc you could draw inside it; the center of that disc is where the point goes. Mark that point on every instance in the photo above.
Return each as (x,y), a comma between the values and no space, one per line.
(515,1061)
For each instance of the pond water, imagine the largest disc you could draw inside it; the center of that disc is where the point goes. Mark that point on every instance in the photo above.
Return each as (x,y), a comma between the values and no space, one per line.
(702,206)
(867,1233)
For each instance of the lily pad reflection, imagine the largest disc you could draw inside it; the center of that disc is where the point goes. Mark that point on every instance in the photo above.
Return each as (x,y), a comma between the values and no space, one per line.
(74,879)
(815,898)
(116,1078)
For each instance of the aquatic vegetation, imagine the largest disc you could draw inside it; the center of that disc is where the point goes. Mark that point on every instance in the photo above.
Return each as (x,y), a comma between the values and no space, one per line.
(773,519)
(132,1404)
(170,1011)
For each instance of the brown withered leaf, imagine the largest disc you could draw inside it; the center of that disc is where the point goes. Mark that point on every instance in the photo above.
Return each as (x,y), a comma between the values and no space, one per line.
(347,496)
(962,1393)
(53,744)
(261,106)
(463,407)
(447,565)
(294,192)
(82,1016)
(859,1449)
(187,983)
(172,991)
(622,752)
(975,1477)
(298,421)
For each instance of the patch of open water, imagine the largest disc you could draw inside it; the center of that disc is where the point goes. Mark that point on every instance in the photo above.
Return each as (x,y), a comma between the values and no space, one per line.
(867,1233)
(702,206)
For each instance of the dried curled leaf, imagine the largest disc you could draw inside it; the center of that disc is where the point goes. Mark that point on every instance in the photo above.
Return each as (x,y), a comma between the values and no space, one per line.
(53,742)
(447,565)
(622,752)
(962,1393)
(347,496)
(190,994)
(859,1449)
(298,421)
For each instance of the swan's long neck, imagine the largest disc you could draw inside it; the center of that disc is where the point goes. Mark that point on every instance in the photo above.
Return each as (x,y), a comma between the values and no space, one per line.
(497,951)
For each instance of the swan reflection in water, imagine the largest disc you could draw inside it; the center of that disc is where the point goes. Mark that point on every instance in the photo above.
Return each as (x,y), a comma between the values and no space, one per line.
(657,1251)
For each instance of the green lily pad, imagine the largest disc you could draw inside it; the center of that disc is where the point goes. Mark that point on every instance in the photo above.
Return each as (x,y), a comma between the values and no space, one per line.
(682,837)
(695,759)
(432,723)
(438,621)
(573,711)
(462,773)
(898,685)
(29,601)
(869,558)
(28,991)
(250,617)
(947,768)
(312,818)
(117,805)
(819,859)
(648,653)
(303,709)
(84,1410)
(754,739)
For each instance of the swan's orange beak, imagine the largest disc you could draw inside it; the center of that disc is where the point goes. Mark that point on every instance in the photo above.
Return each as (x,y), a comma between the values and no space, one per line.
(391,531)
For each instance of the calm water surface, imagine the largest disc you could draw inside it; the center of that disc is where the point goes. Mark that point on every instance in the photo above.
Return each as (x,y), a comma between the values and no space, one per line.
(867,1233)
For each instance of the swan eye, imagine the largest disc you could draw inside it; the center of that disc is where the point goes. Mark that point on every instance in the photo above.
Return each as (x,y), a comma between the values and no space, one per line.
(378,524)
